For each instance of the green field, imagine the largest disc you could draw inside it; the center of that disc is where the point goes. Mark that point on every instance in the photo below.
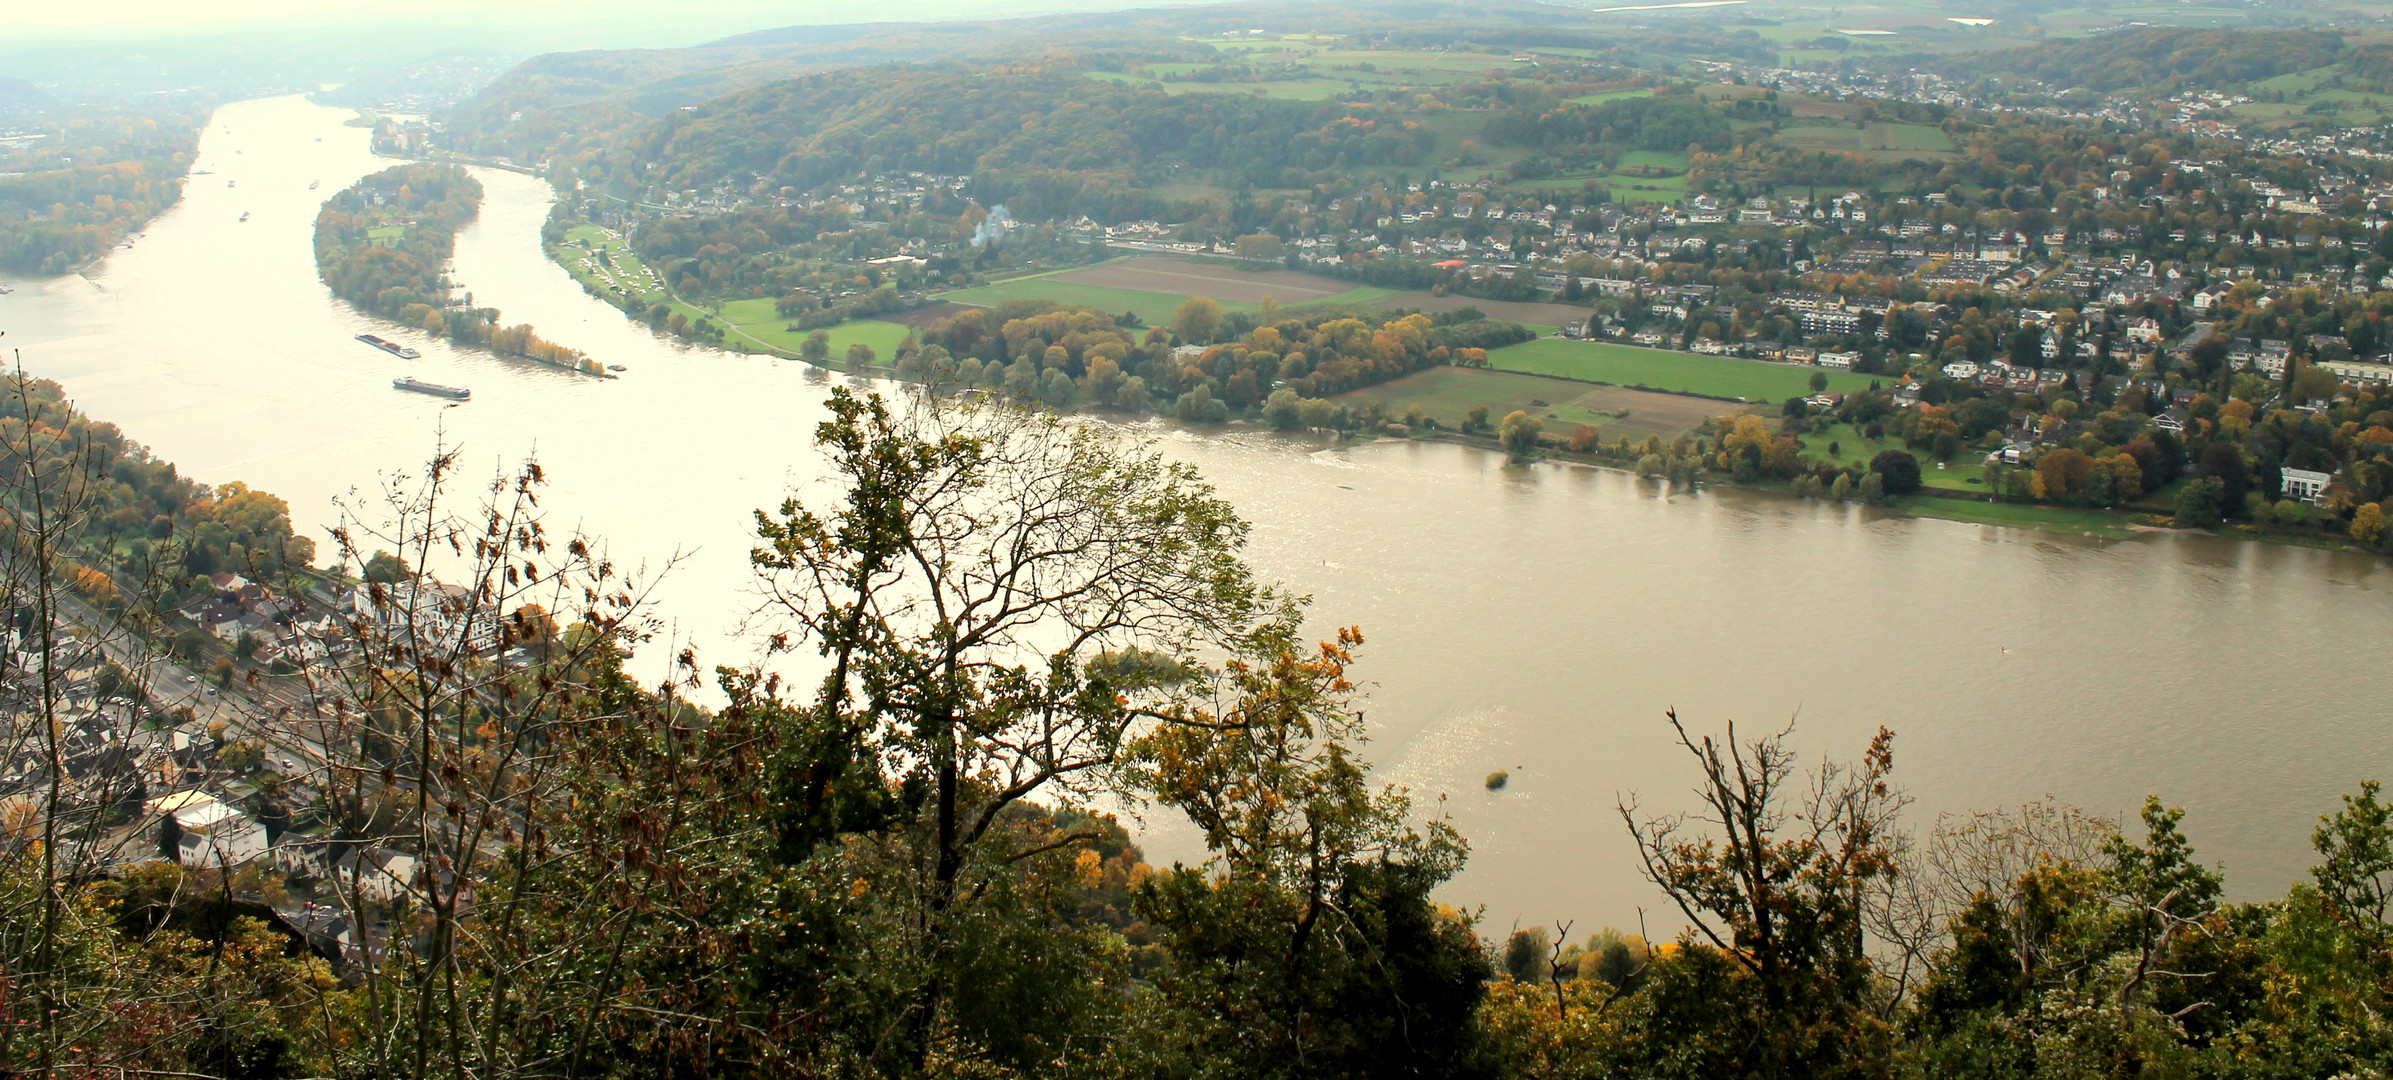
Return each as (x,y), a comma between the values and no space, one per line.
(1881,141)
(1963,474)
(1658,369)
(1610,95)
(753,323)
(1450,393)
(1653,159)
(1154,307)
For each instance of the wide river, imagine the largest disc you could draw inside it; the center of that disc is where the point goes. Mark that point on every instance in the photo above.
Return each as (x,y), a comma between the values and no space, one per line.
(1532,619)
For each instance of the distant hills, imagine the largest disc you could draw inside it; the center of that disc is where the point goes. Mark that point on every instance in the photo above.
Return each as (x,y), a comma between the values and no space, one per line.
(17,95)
(2158,60)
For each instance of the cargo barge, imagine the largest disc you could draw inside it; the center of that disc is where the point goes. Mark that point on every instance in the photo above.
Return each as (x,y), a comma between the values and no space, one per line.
(434,389)
(389,346)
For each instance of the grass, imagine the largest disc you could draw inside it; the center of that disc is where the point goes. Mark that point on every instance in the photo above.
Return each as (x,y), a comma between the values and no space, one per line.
(1964,475)
(1883,141)
(1658,369)
(2101,524)
(1450,393)
(386,235)
(753,322)
(1611,95)
(1654,159)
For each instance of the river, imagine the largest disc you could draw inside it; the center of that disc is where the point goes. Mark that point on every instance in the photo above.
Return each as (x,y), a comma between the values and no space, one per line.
(1536,619)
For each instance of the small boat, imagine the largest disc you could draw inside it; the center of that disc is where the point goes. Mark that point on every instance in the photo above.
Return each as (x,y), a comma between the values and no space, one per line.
(389,346)
(435,389)
(311,185)
(228,183)
(244,215)
(616,367)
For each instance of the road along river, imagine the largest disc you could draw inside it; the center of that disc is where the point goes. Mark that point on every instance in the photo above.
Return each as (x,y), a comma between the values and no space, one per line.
(1537,619)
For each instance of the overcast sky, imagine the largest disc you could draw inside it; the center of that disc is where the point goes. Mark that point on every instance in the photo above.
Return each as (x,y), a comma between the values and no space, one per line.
(138,17)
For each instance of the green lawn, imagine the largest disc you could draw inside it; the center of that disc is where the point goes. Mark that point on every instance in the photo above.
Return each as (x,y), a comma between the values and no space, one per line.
(1965,473)
(2101,524)
(1658,159)
(386,235)
(1658,369)
(883,337)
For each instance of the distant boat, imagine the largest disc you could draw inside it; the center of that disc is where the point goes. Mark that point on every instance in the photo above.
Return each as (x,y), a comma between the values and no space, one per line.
(389,346)
(434,389)
(311,185)
(228,183)
(616,367)
(244,215)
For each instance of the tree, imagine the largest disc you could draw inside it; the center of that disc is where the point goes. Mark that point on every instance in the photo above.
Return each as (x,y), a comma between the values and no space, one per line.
(2064,475)
(860,355)
(1519,434)
(2223,461)
(1900,469)
(385,568)
(816,348)
(993,657)
(1819,381)
(1775,889)
(2355,876)
(2368,525)
(2201,504)
(1262,247)
(1197,320)
(1475,421)
(1308,944)
(1283,409)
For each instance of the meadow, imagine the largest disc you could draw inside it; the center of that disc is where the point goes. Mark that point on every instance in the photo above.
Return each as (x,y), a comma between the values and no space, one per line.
(1725,377)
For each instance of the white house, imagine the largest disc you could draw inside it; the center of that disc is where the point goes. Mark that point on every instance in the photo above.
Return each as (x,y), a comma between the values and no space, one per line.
(214,835)
(2305,485)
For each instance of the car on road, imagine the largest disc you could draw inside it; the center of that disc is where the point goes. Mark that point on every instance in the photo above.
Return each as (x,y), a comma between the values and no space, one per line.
(189,677)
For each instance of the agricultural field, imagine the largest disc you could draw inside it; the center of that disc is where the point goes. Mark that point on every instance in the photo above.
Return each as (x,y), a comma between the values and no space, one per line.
(1659,369)
(1153,308)
(2319,89)
(1327,70)
(1611,95)
(1152,287)
(1221,281)
(1450,393)
(1527,314)
(1881,142)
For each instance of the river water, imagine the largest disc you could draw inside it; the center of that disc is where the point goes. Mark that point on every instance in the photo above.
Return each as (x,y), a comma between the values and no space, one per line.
(1537,619)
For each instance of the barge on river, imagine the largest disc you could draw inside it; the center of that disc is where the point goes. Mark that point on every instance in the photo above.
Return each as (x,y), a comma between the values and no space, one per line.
(389,346)
(434,389)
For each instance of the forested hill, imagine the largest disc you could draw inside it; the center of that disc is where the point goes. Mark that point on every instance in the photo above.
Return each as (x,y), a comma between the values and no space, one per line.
(2160,60)
(551,101)
(1026,128)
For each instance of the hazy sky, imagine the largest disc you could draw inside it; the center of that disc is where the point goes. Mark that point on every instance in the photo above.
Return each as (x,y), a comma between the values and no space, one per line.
(136,17)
